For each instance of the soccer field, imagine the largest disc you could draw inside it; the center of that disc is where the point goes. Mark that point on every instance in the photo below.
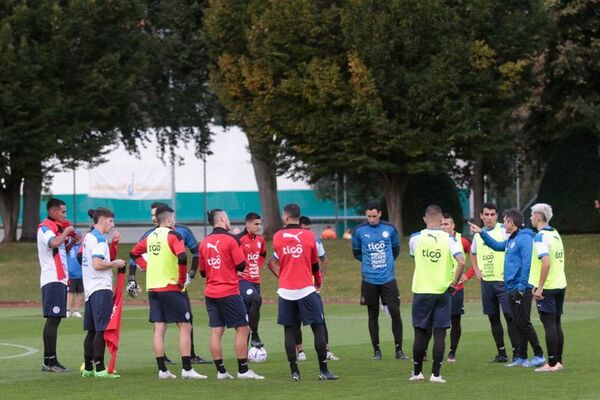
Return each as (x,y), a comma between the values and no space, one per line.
(471,377)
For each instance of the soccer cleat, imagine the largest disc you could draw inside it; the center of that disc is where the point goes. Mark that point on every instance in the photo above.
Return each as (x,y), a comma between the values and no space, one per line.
(500,358)
(451,358)
(436,379)
(536,361)
(416,378)
(301,356)
(88,374)
(327,376)
(191,374)
(548,368)
(77,314)
(401,356)
(54,368)
(296,376)
(561,366)
(166,375)
(168,361)
(250,375)
(331,356)
(69,314)
(105,375)
(200,360)
(224,376)
(256,342)
(377,355)
(517,362)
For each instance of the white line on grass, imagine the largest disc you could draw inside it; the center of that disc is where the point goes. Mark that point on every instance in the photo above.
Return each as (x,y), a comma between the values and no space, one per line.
(29,351)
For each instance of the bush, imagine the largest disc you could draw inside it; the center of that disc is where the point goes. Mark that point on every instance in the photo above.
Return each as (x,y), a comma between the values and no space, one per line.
(427,189)
(571,183)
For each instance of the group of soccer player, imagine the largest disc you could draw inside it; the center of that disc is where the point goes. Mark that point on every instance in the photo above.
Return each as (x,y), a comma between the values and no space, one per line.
(515,266)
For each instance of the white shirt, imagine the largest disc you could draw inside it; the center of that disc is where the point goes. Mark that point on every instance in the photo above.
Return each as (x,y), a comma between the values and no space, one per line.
(46,257)
(95,246)
(455,247)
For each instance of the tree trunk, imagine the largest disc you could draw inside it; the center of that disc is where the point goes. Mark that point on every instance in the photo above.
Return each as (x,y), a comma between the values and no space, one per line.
(266,180)
(32,194)
(394,187)
(10,204)
(478,187)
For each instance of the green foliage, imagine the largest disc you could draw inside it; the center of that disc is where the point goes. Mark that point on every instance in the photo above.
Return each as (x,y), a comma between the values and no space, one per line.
(571,182)
(178,102)
(424,190)
(68,74)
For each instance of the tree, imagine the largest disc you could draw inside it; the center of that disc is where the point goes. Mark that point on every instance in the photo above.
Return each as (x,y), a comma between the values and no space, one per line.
(506,38)
(238,79)
(68,74)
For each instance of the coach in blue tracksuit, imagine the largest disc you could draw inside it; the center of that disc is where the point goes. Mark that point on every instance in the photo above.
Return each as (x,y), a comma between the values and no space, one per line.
(376,245)
(517,263)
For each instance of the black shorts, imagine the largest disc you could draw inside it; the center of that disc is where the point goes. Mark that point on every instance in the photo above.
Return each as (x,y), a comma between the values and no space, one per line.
(227,312)
(388,292)
(307,310)
(187,300)
(76,285)
(458,302)
(98,309)
(54,300)
(431,310)
(248,291)
(494,297)
(168,307)
(552,303)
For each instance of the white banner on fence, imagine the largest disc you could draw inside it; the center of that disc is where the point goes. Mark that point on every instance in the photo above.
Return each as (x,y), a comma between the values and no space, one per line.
(129,182)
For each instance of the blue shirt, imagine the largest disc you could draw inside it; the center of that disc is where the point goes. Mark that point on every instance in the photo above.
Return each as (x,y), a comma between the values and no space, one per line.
(376,247)
(517,259)
(73,264)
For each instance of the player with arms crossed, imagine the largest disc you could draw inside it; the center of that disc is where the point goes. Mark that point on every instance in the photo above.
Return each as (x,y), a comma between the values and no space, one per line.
(53,243)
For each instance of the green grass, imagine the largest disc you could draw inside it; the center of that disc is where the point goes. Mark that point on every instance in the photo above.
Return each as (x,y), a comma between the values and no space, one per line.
(472,377)
(20,271)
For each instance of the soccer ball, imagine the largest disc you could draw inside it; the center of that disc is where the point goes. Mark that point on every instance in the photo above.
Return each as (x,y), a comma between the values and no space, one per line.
(257,354)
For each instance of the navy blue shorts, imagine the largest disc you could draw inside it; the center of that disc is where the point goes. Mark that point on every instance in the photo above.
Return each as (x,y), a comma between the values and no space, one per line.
(98,309)
(553,301)
(76,285)
(169,307)
(248,290)
(308,311)
(227,312)
(431,310)
(494,297)
(458,302)
(54,300)
(187,300)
